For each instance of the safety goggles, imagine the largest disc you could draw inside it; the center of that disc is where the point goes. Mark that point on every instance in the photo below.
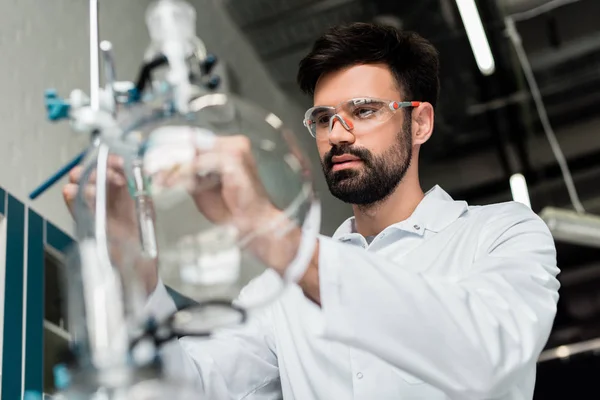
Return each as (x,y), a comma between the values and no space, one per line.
(359,114)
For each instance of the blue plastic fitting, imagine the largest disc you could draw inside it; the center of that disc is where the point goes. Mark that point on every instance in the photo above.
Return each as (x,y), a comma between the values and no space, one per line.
(62,377)
(32,395)
(56,107)
(208,63)
(133,96)
(213,82)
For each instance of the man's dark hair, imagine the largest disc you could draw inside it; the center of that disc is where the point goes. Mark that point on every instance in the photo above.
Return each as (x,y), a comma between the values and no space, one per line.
(412,59)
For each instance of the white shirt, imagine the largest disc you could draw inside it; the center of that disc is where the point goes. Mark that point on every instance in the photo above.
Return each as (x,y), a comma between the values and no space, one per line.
(456,302)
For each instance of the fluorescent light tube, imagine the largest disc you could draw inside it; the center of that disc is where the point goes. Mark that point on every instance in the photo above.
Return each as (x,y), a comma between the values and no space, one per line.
(476,34)
(572,227)
(518,188)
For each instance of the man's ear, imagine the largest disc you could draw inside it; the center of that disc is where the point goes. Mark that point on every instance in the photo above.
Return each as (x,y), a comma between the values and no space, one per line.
(422,123)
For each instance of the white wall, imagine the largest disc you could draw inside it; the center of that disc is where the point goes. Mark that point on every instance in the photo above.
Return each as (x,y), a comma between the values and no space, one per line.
(44,43)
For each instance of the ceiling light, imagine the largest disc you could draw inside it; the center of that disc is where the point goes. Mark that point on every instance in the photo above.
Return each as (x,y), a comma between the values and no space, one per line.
(572,227)
(518,188)
(476,34)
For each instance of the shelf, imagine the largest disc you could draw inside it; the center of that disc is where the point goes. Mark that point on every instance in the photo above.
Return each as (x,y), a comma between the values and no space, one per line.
(57,330)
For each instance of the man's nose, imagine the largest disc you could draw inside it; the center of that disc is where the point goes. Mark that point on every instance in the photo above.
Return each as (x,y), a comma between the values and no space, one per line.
(340,130)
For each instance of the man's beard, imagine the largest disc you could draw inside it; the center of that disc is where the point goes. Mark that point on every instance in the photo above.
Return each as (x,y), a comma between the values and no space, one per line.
(379,176)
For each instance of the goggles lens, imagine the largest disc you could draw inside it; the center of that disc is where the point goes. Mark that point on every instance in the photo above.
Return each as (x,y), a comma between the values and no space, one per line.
(360,113)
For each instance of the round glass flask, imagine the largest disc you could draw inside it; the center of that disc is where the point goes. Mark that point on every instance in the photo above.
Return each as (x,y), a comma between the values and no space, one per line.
(157,181)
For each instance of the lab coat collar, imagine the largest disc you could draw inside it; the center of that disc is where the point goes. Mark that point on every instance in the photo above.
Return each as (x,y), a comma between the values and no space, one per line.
(435,212)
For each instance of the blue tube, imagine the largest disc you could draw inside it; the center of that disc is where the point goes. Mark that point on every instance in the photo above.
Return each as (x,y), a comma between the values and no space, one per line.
(57,176)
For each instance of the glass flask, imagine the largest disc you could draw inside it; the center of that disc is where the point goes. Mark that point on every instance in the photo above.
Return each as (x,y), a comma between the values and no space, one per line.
(138,208)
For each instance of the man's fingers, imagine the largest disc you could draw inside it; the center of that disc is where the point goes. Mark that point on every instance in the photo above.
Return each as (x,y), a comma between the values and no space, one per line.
(116,163)
(115,176)
(237,143)
(75,174)
(71,189)
(69,193)
(90,194)
(207,164)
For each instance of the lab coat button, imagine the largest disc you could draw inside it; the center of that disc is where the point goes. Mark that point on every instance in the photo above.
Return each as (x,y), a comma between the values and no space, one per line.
(359,375)
(417,227)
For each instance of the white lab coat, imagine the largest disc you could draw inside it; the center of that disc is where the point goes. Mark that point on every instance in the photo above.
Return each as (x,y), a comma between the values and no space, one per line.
(456,302)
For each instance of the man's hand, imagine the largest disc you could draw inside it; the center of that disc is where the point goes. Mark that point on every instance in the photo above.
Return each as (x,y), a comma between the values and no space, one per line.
(238,197)
(120,205)
(226,188)
(121,222)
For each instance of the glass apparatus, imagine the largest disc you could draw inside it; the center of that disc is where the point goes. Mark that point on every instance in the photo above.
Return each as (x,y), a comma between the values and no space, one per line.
(138,222)
(149,210)
(138,208)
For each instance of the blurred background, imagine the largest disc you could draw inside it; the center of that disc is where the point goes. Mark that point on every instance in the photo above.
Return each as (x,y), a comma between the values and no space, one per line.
(487,125)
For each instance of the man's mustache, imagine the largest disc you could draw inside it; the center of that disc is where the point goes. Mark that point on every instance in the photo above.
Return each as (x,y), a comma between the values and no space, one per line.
(363,154)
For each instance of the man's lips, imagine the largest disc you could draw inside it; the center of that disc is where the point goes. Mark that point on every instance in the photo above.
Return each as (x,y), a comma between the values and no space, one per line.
(344,158)
(344,161)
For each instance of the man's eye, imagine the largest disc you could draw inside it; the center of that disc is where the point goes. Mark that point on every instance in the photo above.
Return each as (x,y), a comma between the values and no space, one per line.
(364,112)
(323,119)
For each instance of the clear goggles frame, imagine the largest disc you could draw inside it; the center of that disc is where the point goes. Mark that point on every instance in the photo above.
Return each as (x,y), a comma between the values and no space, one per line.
(358,114)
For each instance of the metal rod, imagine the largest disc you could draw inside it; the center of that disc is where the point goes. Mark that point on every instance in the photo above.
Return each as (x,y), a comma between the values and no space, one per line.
(569,350)
(515,38)
(110,75)
(94,57)
(541,9)
(58,175)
